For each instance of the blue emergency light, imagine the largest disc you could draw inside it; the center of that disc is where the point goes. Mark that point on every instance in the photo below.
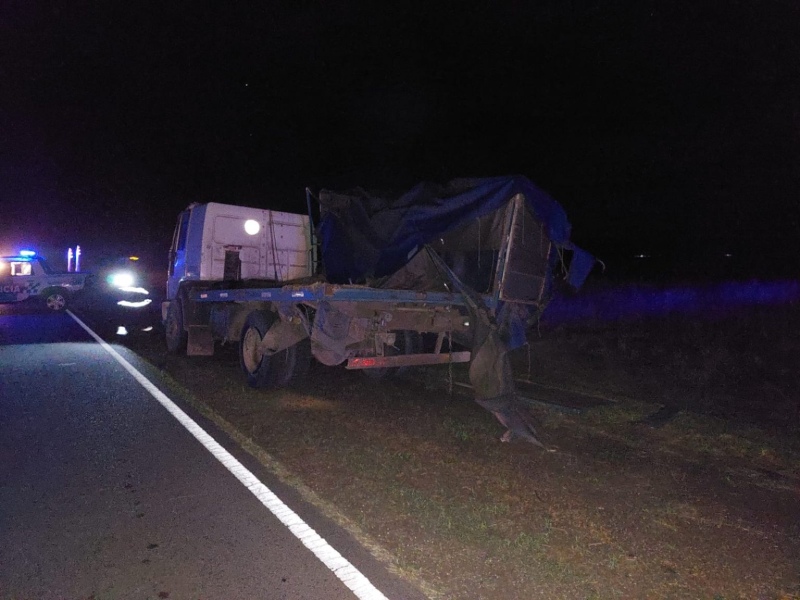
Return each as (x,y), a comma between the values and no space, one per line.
(27,253)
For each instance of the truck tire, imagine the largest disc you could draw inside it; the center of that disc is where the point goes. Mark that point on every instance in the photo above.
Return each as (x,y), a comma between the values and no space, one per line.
(270,371)
(55,299)
(302,361)
(175,334)
(407,342)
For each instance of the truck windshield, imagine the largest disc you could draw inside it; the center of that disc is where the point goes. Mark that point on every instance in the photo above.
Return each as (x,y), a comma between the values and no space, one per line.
(183,227)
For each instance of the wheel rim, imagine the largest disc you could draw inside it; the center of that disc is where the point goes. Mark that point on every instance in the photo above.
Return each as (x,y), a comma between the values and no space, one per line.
(56,302)
(251,358)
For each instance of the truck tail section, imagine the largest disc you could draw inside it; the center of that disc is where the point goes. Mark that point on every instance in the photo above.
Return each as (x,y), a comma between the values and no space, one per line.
(472,262)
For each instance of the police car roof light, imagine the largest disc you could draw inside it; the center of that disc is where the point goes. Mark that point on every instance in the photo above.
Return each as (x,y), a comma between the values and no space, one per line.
(27,253)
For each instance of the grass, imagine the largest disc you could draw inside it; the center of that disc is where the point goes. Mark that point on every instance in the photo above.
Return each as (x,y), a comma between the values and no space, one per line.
(615,513)
(458,430)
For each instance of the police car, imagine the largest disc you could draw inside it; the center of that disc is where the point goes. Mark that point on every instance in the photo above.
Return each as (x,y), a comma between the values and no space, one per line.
(28,276)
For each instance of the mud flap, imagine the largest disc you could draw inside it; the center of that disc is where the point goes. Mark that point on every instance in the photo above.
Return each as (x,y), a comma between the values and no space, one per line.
(329,335)
(282,335)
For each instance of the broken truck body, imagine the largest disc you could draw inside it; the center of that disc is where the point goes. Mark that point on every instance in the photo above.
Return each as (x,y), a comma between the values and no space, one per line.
(441,274)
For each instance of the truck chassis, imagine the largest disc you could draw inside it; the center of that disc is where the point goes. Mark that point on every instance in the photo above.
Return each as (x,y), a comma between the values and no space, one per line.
(364,327)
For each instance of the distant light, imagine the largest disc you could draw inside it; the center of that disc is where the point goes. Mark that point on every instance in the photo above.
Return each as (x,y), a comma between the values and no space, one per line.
(121,280)
(641,256)
(728,255)
(121,330)
(27,253)
(129,304)
(252,227)
(150,328)
(133,258)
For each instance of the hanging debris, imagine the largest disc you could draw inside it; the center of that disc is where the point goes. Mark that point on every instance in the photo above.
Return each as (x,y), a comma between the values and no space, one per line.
(497,243)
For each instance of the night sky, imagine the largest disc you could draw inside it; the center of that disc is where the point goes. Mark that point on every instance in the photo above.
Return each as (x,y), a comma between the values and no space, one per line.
(666,128)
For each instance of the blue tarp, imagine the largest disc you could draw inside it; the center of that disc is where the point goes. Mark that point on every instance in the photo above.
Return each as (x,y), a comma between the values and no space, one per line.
(368,236)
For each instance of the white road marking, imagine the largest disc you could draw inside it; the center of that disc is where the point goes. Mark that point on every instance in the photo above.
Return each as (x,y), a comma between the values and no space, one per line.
(340,566)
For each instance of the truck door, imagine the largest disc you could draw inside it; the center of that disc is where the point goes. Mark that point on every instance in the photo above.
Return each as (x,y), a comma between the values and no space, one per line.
(177,255)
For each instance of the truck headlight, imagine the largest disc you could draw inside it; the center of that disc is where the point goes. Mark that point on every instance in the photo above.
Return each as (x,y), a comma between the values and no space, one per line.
(122,279)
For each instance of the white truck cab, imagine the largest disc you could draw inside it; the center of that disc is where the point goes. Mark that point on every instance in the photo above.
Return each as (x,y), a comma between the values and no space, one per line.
(28,276)
(219,242)
(266,244)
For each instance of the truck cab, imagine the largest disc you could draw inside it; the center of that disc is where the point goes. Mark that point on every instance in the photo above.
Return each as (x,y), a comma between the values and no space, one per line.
(217,242)
(222,242)
(28,276)
(238,245)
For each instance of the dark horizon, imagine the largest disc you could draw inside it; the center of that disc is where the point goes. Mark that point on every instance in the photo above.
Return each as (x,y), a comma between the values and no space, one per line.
(663,129)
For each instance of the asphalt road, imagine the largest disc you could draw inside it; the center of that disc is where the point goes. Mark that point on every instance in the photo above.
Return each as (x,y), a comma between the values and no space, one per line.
(104,493)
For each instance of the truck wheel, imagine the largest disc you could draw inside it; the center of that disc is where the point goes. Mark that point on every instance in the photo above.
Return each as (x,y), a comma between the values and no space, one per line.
(275,370)
(407,342)
(55,299)
(173,327)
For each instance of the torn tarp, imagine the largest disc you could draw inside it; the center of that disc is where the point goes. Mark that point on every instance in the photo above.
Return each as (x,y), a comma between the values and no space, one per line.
(493,381)
(580,266)
(364,236)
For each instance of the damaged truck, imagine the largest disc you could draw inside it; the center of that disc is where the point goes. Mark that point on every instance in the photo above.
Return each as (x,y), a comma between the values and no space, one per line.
(441,274)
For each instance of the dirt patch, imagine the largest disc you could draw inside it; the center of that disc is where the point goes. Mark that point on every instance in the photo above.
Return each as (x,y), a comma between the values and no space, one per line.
(701,504)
